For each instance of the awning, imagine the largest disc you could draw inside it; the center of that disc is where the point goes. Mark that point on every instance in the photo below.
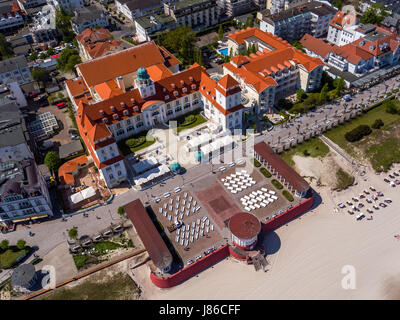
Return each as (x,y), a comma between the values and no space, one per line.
(37,216)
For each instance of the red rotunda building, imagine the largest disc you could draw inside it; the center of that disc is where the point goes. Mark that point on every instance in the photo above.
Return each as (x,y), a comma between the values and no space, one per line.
(244,228)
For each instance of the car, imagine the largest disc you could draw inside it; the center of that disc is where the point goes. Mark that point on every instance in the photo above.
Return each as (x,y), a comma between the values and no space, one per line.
(355,199)
(72,131)
(388,200)
(362,196)
(372,188)
(360,205)
(328,121)
(75,137)
(382,205)
(370,211)
(166,195)
(366,191)
(374,197)
(360,216)
(392,184)
(198,257)
(395,173)
(341,205)
(397,181)
(386,180)
(349,203)
(61,80)
(391,176)
(157,200)
(375,207)
(32,95)
(176,190)
(291,139)
(231,164)
(369,200)
(61,105)
(350,211)
(380,194)
(190,261)
(54,73)
(222,168)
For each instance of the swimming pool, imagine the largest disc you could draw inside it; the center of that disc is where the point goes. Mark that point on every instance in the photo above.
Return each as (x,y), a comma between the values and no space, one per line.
(224,51)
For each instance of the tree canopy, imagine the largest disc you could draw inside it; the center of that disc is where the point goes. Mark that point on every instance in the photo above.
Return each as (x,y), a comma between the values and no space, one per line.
(73,233)
(68,59)
(4,245)
(21,244)
(52,160)
(40,75)
(374,14)
(5,48)
(63,24)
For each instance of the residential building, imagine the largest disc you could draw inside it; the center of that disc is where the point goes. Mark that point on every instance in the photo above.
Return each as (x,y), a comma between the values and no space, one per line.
(11,17)
(392,23)
(133,9)
(233,8)
(69,5)
(199,14)
(344,29)
(389,5)
(27,4)
(276,6)
(147,25)
(275,71)
(44,28)
(291,24)
(315,47)
(137,89)
(88,17)
(15,70)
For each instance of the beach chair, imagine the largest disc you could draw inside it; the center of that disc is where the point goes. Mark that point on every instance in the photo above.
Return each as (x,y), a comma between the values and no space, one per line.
(257,205)
(181,216)
(177,239)
(262,204)
(252,207)
(233,191)
(271,192)
(212,227)
(247,209)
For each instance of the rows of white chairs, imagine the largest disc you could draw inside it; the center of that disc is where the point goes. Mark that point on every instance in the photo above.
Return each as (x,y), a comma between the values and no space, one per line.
(189,233)
(258,199)
(179,206)
(238,181)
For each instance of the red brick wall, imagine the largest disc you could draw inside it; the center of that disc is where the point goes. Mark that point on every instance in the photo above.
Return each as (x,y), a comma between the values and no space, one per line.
(287,215)
(190,270)
(236,255)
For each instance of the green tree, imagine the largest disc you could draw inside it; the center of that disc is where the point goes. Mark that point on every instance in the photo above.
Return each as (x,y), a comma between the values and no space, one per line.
(4,245)
(50,51)
(301,95)
(68,59)
(52,160)
(5,48)
(63,24)
(338,4)
(297,45)
(33,56)
(43,55)
(220,32)
(323,96)
(21,244)
(121,211)
(374,14)
(378,123)
(73,233)
(339,85)
(40,75)
(391,107)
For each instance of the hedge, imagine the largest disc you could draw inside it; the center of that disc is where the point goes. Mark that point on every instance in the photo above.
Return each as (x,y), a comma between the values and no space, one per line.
(256,163)
(378,123)
(287,195)
(358,133)
(266,173)
(277,184)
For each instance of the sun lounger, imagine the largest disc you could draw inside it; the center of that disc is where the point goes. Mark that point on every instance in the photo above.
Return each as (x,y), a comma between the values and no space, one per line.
(257,205)
(212,227)
(271,192)
(262,204)
(247,209)
(252,207)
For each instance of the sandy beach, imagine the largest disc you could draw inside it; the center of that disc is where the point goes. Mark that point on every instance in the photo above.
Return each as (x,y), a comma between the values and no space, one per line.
(307,256)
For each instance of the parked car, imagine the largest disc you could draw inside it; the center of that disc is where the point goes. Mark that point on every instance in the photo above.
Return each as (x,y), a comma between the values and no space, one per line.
(341,205)
(350,211)
(72,131)
(380,194)
(388,200)
(382,205)
(375,207)
(372,188)
(61,105)
(366,191)
(369,200)
(75,137)
(386,180)
(370,211)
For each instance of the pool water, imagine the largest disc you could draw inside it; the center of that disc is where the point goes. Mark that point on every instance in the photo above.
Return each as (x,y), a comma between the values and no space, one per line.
(224,51)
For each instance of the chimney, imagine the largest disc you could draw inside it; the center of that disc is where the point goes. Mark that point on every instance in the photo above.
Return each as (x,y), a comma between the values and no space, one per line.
(120,82)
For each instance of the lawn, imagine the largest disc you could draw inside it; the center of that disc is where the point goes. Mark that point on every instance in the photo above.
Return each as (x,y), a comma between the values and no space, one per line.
(101,247)
(313,147)
(135,143)
(344,179)
(80,260)
(189,121)
(98,287)
(9,257)
(381,147)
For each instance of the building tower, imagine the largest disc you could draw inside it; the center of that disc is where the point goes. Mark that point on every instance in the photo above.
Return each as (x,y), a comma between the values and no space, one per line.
(144,83)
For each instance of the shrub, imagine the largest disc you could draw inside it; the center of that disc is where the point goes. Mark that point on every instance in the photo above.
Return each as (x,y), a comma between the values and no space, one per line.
(256,163)
(287,195)
(378,123)
(277,184)
(4,245)
(73,233)
(358,133)
(266,173)
(121,211)
(21,244)
(134,142)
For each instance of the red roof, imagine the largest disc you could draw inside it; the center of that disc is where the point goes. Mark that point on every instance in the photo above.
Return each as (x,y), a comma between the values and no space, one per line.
(91,35)
(315,45)
(290,175)
(227,82)
(151,238)
(244,225)
(65,172)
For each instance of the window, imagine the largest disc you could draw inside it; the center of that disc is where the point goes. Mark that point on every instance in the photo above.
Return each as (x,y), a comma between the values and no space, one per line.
(119,173)
(111,176)
(128,121)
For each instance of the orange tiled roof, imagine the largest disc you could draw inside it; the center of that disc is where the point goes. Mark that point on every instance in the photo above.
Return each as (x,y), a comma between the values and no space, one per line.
(76,87)
(99,49)
(341,19)
(108,89)
(315,45)
(158,72)
(91,35)
(352,53)
(124,62)
(227,82)
(65,172)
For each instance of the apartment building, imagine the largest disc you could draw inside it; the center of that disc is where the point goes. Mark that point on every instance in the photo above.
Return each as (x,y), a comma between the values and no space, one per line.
(88,17)
(199,14)
(43,28)
(27,4)
(276,6)
(11,17)
(233,8)
(116,102)
(275,71)
(95,43)
(147,25)
(15,70)
(291,24)
(69,5)
(343,29)
(133,9)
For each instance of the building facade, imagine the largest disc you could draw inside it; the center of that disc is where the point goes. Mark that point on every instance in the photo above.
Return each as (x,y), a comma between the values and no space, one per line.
(199,14)
(43,28)
(69,5)
(11,17)
(27,4)
(233,8)
(133,9)
(291,24)
(88,17)
(15,70)
(147,25)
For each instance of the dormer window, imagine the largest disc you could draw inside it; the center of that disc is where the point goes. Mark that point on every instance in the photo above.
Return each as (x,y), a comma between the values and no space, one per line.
(102,112)
(193,86)
(126,113)
(203,87)
(133,101)
(105,120)
(176,93)
(115,116)
(113,109)
(173,85)
(184,90)
(182,82)
(136,109)
(164,89)
(208,92)
(123,105)
(191,79)
(166,97)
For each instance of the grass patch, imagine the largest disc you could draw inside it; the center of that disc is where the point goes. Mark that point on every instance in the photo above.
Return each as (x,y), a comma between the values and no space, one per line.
(343,180)
(266,173)
(80,260)
(135,143)
(188,121)
(9,257)
(101,247)
(380,147)
(287,195)
(101,287)
(277,184)
(313,147)
(256,163)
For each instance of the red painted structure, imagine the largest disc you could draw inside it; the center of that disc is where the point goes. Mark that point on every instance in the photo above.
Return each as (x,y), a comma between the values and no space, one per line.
(224,251)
